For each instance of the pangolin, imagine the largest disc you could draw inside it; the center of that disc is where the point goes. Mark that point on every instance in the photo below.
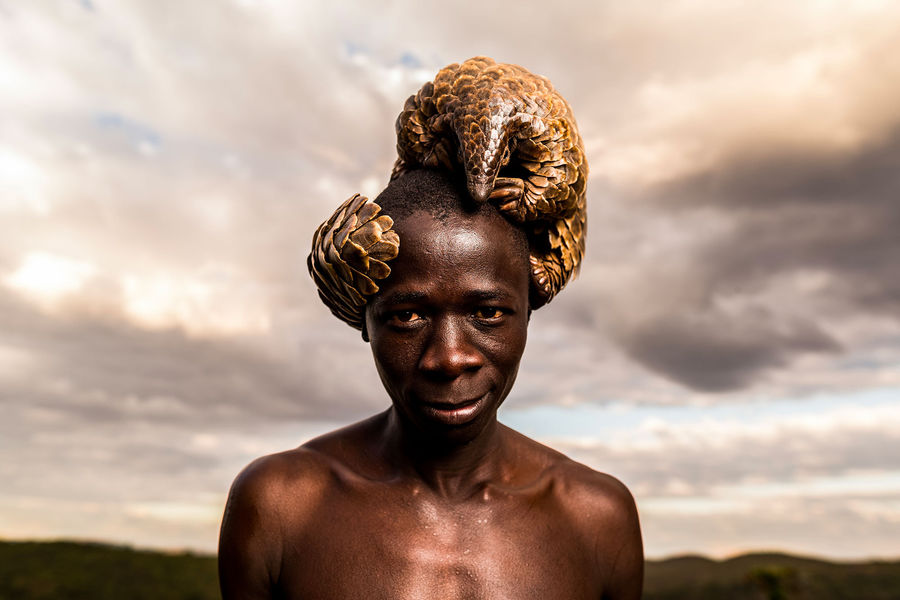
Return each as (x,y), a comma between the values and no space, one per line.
(349,251)
(515,139)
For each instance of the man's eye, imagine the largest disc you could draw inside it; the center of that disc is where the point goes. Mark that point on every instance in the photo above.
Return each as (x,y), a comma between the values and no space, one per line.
(405,316)
(488,313)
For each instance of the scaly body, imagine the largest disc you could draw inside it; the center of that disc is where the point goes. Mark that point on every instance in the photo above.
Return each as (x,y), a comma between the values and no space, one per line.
(515,138)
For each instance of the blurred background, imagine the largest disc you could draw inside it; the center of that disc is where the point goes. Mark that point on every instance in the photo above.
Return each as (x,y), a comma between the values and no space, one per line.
(731,349)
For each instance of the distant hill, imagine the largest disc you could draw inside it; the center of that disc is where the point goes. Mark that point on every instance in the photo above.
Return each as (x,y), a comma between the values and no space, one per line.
(770,577)
(86,571)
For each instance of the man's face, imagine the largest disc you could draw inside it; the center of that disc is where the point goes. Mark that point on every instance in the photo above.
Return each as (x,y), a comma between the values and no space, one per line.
(449,325)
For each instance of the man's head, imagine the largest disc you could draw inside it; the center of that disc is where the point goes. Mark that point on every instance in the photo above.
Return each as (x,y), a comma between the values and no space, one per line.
(448,326)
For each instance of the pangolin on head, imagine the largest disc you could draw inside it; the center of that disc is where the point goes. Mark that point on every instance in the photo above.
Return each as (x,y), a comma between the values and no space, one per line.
(515,138)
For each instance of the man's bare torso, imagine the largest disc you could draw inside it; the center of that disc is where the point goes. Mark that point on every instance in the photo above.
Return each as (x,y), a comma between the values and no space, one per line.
(335,519)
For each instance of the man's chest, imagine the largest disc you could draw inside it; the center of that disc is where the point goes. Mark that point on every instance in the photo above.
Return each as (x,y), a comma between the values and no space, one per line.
(401,548)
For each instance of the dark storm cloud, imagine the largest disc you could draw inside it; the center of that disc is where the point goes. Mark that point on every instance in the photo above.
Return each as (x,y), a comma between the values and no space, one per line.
(99,368)
(791,212)
(714,352)
(836,212)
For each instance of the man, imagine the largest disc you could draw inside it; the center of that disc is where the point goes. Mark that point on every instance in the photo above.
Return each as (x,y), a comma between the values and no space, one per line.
(434,498)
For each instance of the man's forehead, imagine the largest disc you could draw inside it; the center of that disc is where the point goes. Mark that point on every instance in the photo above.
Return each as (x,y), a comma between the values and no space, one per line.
(473,238)
(452,262)
(464,227)
(452,238)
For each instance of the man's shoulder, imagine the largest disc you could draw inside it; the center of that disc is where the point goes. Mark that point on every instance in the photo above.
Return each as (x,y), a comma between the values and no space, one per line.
(604,513)
(272,495)
(582,488)
(349,443)
(271,482)
(599,490)
(600,509)
(303,472)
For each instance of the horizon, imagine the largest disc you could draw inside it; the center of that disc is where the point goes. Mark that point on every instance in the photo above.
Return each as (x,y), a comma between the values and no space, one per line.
(730,349)
(657,559)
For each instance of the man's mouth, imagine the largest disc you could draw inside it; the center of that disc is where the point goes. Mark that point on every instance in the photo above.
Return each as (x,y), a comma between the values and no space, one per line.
(456,413)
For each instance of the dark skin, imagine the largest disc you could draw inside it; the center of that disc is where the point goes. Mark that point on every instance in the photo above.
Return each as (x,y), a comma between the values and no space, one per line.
(434,498)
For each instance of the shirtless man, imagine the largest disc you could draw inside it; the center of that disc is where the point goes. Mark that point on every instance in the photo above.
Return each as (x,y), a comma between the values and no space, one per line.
(434,498)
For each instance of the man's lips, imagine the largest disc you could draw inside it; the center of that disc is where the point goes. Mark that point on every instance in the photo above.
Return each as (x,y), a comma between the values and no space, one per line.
(453,405)
(455,413)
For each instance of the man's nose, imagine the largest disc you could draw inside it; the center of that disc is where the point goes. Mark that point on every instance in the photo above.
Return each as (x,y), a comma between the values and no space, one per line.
(449,352)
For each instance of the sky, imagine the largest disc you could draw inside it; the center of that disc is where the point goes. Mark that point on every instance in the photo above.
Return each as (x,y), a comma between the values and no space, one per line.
(730,350)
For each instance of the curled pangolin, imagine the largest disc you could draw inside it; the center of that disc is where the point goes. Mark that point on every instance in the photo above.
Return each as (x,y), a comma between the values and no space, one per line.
(349,251)
(515,139)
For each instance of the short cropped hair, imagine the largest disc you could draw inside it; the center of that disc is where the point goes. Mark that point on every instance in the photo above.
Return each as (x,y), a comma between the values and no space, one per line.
(439,194)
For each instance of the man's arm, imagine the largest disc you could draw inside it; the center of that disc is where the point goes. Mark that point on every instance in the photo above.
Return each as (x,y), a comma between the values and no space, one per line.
(250,538)
(626,579)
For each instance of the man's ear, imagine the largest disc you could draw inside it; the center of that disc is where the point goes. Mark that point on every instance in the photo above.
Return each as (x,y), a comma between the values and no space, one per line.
(365,333)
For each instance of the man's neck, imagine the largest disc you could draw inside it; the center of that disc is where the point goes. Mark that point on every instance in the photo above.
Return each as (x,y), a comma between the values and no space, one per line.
(451,466)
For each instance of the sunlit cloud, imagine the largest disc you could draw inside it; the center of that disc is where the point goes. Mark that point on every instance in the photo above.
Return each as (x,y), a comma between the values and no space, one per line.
(217,300)
(47,277)
(23,185)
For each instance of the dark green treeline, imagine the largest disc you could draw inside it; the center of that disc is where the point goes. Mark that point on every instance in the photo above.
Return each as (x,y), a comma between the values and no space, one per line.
(83,571)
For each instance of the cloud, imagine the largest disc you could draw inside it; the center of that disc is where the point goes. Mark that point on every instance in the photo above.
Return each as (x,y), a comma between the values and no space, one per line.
(712,351)
(766,137)
(708,456)
(813,475)
(795,482)
(806,248)
(845,527)
(770,225)
(98,368)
